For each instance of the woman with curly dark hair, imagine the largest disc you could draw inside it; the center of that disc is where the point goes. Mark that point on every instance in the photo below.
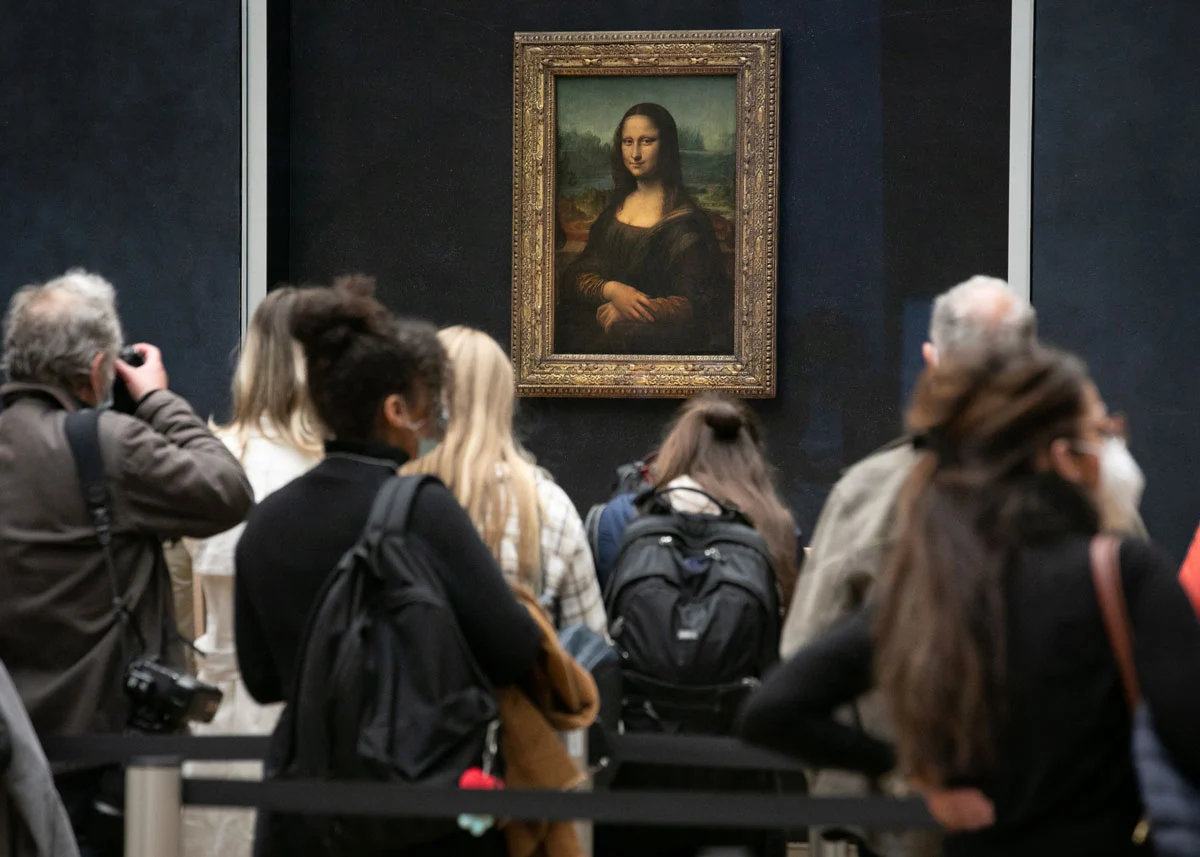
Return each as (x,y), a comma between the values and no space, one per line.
(376,384)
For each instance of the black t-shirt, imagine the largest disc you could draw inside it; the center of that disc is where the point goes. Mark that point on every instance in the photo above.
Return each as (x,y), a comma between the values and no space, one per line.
(296,537)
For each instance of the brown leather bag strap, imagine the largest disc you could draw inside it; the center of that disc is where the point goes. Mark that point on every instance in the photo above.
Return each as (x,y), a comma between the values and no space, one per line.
(1110,593)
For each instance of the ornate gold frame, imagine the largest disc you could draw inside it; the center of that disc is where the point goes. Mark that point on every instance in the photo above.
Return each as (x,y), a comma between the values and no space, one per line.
(753,55)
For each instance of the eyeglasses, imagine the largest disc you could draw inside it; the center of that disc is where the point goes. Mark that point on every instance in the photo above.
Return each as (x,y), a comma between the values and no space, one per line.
(1118,426)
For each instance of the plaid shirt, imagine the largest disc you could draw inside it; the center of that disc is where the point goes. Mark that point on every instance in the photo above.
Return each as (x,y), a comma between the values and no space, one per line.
(568,572)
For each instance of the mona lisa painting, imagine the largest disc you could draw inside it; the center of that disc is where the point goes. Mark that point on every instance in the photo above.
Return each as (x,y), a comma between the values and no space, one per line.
(645,213)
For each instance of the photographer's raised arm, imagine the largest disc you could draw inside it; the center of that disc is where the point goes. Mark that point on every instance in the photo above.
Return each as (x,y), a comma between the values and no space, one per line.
(176,478)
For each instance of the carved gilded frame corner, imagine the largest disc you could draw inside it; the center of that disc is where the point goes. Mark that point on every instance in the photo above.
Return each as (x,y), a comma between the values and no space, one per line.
(540,58)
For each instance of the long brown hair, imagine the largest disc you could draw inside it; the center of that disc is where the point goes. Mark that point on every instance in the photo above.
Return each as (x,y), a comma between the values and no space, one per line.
(270,391)
(941,641)
(717,441)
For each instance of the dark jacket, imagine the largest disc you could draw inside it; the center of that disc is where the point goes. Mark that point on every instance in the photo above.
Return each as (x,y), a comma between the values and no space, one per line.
(167,477)
(291,544)
(296,537)
(1063,783)
(33,820)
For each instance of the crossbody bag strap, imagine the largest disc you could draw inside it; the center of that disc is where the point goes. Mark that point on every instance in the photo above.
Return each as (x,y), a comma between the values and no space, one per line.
(1105,556)
(83,436)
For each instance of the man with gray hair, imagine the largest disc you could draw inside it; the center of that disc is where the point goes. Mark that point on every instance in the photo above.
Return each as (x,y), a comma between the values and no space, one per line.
(63,636)
(983,312)
(853,536)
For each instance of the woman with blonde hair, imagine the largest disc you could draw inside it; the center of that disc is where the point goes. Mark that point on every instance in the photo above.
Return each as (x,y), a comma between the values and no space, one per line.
(526,519)
(274,434)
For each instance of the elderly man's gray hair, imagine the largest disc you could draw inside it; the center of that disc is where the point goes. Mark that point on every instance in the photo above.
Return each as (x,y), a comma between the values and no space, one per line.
(983,312)
(54,331)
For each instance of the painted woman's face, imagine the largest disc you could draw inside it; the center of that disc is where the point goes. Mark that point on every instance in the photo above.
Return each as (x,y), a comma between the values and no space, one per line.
(639,146)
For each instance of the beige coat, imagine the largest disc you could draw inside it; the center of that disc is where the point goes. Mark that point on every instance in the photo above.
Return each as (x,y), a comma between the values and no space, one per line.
(849,550)
(850,544)
(167,477)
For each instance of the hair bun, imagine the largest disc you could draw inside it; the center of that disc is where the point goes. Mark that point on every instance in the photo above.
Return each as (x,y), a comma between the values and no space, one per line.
(327,320)
(725,420)
(357,285)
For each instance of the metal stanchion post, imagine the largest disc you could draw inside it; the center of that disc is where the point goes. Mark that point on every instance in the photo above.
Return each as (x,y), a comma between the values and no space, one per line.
(819,847)
(153,808)
(577,747)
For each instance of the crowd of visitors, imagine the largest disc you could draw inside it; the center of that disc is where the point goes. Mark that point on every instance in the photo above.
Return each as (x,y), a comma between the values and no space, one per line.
(387,583)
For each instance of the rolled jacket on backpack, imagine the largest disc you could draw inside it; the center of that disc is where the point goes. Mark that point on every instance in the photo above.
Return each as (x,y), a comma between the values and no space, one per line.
(559,696)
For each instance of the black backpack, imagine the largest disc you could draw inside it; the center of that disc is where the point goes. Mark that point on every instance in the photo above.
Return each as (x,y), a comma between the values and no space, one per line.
(386,687)
(694,611)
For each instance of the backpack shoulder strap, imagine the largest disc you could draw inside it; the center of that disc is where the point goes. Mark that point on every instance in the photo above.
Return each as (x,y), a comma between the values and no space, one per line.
(1105,556)
(392,508)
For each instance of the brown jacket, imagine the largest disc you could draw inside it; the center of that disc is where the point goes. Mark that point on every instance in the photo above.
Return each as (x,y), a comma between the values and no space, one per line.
(167,477)
(561,696)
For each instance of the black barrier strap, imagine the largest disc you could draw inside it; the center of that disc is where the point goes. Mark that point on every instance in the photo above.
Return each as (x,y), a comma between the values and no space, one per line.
(689,751)
(116,749)
(675,809)
(694,751)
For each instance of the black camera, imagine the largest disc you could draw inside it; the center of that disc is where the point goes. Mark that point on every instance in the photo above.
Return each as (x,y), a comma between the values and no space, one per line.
(122,400)
(163,700)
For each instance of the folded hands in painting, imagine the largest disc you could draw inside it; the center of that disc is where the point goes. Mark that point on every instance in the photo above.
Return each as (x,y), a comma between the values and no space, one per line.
(627,305)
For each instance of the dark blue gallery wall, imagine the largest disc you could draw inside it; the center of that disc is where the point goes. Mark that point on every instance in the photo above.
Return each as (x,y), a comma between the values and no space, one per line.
(400,135)
(120,141)
(391,131)
(1115,224)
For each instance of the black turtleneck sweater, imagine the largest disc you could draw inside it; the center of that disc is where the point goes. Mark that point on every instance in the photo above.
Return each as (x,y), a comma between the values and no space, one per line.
(1064,783)
(295,538)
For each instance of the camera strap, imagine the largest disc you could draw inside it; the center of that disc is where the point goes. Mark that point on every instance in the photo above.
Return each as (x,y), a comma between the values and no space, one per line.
(83,436)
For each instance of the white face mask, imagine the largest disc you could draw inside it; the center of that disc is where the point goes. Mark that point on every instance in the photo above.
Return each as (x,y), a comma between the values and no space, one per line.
(426,445)
(1121,484)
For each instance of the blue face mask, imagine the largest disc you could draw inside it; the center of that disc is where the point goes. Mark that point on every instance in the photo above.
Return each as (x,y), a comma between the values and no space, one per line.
(426,445)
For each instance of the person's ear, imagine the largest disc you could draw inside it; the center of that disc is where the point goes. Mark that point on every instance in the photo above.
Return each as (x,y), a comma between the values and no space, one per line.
(395,415)
(95,390)
(930,353)
(397,429)
(1063,461)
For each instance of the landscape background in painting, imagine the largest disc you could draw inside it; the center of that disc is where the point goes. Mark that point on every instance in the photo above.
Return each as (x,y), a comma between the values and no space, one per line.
(589,108)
